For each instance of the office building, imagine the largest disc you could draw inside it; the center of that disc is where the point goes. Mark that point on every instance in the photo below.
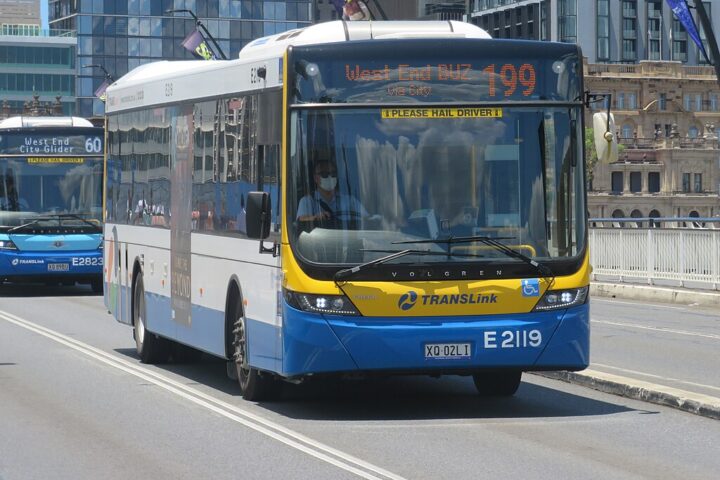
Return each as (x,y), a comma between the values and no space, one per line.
(123,35)
(36,72)
(399,9)
(19,17)
(609,31)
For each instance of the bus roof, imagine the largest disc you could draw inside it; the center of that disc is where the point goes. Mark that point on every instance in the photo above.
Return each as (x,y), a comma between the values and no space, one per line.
(39,122)
(342,31)
(176,81)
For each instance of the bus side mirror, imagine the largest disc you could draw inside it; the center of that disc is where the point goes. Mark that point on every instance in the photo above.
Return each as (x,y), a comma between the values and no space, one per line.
(606,144)
(257,215)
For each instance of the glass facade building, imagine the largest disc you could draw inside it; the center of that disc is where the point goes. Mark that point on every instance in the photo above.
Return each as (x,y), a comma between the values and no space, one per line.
(609,31)
(37,65)
(123,35)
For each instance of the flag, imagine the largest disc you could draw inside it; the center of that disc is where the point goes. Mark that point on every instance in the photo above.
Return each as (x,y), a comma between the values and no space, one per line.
(196,44)
(100,92)
(682,13)
(338,6)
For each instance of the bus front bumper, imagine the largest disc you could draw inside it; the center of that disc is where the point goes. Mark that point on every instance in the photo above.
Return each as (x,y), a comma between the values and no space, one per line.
(42,266)
(333,344)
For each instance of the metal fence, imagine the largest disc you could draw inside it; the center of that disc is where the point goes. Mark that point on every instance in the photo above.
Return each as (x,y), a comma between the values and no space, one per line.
(686,257)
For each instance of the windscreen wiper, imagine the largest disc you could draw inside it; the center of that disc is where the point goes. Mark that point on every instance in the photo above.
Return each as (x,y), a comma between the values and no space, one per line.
(58,216)
(543,270)
(29,224)
(346,273)
(77,217)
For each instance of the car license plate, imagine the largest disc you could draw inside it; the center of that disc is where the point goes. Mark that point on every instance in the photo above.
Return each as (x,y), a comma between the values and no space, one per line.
(447,350)
(58,267)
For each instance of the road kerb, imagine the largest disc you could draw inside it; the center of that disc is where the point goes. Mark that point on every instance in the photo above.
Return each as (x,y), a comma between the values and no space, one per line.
(631,291)
(696,403)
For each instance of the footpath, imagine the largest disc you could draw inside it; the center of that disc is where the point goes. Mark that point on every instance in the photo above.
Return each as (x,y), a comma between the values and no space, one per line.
(642,386)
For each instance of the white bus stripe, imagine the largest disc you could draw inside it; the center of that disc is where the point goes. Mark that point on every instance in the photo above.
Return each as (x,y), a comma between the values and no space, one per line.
(659,329)
(271,429)
(670,379)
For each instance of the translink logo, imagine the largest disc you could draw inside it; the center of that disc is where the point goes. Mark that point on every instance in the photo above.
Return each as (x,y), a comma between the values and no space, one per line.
(408,300)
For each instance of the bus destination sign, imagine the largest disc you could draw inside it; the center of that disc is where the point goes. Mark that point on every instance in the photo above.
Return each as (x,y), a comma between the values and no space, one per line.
(425,71)
(502,80)
(38,144)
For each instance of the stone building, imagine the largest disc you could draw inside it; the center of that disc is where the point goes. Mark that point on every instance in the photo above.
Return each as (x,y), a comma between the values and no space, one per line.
(666,116)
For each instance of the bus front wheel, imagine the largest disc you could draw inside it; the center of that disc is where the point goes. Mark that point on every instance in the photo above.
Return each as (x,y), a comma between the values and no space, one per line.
(255,385)
(150,347)
(497,384)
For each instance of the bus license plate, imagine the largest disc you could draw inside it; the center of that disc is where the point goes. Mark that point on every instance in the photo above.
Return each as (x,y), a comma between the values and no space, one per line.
(447,350)
(58,267)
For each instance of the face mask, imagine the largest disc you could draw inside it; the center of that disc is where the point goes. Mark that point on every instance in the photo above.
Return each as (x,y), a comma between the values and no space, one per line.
(328,183)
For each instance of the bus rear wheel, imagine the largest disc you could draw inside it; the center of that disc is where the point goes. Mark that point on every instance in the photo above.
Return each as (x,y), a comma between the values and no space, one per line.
(150,347)
(497,384)
(256,386)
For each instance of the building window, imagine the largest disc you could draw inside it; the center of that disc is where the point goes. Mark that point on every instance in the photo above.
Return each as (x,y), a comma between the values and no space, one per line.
(616,181)
(632,101)
(713,102)
(679,43)
(629,30)
(687,103)
(567,20)
(698,102)
(686,182)
(627,131)
(662,102)
(697,186)
(654,182)
(693,132)
(620,100)
(603,30)
(654,214)
(635,182)
(654,28)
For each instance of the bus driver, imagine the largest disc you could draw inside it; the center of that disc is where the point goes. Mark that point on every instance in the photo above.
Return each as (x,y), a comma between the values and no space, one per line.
(326,206)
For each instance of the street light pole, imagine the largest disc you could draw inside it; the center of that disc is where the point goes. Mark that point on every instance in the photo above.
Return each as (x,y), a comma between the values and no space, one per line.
(107,74)
(202,26)
(710,36)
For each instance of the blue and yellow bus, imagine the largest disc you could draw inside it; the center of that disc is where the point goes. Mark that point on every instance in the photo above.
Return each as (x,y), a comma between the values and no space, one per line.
(354,198)
(51,185)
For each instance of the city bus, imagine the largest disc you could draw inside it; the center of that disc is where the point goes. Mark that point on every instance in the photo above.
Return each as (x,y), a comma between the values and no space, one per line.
(354,199)
(51,191)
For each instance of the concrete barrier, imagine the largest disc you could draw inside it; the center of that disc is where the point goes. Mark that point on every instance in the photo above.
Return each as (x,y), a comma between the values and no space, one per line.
(656,294)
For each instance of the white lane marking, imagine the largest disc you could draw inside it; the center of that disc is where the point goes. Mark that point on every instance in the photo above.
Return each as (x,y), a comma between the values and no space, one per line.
(658,329)
(273,430)
(641,305)
(670,379)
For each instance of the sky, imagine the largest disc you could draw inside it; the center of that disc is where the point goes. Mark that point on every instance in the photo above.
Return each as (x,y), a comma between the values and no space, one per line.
(44,13)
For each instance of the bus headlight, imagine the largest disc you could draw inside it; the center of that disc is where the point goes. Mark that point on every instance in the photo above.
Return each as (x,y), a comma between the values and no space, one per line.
(7,245)
(556,299)
(327,304)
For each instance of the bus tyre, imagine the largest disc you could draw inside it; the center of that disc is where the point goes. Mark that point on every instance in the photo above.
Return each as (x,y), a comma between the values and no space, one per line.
(497,384)
(150,347)
(256,386)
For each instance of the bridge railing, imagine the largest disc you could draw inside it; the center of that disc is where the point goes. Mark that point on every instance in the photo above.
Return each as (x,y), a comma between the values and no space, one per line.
(683,256)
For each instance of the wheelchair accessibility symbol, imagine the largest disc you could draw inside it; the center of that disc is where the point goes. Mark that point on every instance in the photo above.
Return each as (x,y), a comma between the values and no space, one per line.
(531,287)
